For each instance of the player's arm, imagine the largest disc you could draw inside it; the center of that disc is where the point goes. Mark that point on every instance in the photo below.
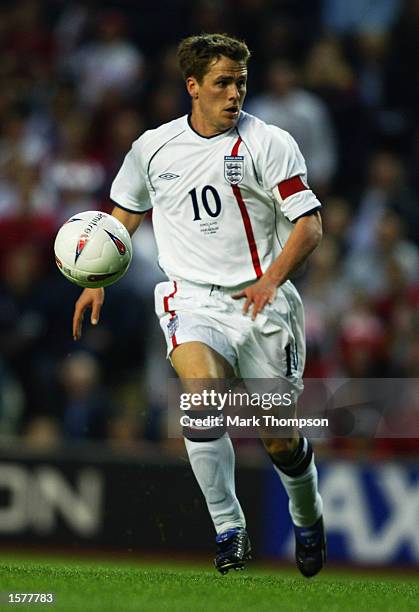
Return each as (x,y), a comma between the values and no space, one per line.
(94,298)
(132,221)
(302,241)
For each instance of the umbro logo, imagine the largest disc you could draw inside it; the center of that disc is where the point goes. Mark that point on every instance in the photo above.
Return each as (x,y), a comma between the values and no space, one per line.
(168,176)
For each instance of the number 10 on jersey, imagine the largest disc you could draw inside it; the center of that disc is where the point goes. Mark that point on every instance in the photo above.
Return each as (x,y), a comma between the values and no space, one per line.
(210,199)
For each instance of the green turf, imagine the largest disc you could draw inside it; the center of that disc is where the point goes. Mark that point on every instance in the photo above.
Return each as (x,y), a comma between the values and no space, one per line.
(89,586)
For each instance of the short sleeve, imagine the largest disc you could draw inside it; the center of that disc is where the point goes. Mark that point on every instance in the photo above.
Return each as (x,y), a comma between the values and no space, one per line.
(284,174)
(129,188)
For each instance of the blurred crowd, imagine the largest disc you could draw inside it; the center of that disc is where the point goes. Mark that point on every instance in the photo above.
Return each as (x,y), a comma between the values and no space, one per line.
(81,80)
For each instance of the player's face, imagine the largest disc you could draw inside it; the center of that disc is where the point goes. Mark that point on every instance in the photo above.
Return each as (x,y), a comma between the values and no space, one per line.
(217,100)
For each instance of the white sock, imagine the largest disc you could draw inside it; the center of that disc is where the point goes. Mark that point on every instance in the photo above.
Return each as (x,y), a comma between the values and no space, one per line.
(213,465)
(305,504)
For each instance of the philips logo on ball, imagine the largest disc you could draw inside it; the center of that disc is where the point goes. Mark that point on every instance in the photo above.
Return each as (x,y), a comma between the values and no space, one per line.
(93,223)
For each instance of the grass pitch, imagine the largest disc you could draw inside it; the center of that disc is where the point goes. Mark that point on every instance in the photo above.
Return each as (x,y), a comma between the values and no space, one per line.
(88,586)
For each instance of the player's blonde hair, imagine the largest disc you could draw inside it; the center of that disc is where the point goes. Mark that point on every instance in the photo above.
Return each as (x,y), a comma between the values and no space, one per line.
(196,52)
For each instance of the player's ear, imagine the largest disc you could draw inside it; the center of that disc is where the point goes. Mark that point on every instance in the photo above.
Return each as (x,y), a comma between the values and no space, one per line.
(192,86)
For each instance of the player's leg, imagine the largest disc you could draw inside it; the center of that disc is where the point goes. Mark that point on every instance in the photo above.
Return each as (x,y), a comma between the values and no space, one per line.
(212,458)
(280,355)
(293,460)
(197,360)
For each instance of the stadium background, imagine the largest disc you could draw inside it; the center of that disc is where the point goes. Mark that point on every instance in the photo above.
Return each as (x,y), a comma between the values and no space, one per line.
(84,460)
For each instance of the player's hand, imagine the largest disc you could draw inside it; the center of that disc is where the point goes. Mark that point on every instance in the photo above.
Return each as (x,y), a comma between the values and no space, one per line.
(89,298)
(259,294)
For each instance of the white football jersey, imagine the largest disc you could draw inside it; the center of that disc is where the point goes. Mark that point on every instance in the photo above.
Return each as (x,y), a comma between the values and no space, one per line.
(223,205)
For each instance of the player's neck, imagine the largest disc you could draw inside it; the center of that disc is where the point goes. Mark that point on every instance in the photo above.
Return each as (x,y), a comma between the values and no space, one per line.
(202,127)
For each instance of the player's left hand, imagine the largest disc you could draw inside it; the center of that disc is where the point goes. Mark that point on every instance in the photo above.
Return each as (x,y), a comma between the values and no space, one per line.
(259,294)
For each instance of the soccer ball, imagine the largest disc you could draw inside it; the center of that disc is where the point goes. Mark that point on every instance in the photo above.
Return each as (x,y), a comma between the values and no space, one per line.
(93,249)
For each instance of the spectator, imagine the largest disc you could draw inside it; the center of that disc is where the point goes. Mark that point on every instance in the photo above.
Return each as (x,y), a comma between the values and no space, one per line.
(42,433)
(386,189)
(11,404)
(126,126)
(403,76)
(304,115)
(342,17)
(74,177)
(325,294)
(362,340)
(23,321)
(329,74)
(86,407)
(388,244)
(337,216)
(109,65)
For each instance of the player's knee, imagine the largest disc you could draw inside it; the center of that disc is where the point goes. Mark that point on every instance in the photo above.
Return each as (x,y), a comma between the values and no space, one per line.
(197,361)
(292,456)
(199,371)
(281,450)
(203,426)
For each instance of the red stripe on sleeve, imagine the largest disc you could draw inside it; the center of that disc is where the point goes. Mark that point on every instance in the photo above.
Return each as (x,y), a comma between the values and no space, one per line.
(290,186)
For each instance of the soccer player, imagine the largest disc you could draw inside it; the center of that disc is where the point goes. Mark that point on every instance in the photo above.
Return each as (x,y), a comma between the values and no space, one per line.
(233,218)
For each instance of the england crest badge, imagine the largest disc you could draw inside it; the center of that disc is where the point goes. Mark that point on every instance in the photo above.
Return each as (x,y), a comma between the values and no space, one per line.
(234,169)
(172,326)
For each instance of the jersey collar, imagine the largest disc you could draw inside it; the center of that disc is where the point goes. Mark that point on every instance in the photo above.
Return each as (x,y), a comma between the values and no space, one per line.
(214,138)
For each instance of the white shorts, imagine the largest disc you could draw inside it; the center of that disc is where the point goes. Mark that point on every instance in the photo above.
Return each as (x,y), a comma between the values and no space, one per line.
(271,347)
